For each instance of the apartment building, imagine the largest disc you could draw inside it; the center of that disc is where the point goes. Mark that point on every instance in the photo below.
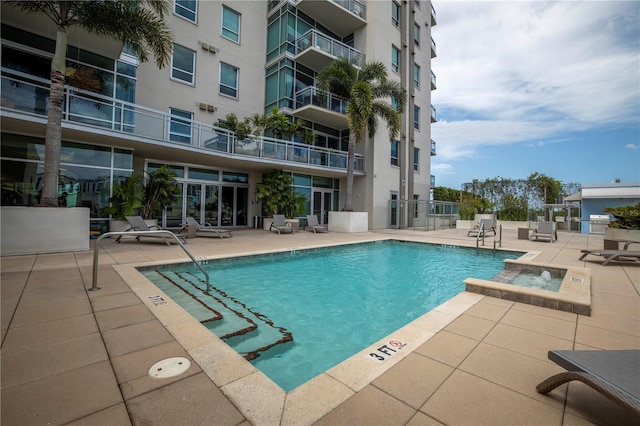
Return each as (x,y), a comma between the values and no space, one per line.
(240,57)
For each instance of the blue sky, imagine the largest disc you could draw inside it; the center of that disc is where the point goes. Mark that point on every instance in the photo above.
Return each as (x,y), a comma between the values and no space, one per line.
(533,86)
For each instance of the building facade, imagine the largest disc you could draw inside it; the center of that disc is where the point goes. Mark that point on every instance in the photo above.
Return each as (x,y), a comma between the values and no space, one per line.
(229,57)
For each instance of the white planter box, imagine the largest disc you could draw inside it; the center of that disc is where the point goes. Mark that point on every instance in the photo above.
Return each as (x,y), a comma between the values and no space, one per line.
(622,234)
(348,222)
(465,224)
(34,230)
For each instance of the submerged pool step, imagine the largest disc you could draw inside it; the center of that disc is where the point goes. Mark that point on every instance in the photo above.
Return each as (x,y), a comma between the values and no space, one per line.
(214,313)
(248,332)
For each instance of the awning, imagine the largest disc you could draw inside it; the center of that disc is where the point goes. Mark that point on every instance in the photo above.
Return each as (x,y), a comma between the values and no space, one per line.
(574,197)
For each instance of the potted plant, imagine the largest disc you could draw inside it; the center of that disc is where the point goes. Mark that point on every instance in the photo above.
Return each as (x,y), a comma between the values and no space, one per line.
(132,198)
(278,197)
(626,223)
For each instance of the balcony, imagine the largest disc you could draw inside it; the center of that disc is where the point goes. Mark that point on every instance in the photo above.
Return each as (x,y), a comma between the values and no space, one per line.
(433,48)
(342,17)
(432,181)
(433,114)
(316,50)
(433,147)
(93,116)
(433,17)
(433,81)
(319,107)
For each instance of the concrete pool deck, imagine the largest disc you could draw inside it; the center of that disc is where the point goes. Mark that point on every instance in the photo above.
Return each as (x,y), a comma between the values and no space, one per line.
(76,357)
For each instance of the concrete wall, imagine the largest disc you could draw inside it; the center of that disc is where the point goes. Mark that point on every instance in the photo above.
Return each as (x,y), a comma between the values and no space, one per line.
(33,230)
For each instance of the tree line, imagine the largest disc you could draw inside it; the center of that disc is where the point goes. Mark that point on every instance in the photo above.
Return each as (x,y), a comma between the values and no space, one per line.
(510,199)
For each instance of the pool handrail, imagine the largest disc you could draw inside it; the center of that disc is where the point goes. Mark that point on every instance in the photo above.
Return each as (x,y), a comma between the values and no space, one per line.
(160,233)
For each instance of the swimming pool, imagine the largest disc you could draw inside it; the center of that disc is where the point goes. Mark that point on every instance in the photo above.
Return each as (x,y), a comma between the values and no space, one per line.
(332,302)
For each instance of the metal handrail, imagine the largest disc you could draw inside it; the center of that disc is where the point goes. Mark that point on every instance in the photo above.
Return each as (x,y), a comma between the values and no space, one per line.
(480,234)
(163,233)
(498,237)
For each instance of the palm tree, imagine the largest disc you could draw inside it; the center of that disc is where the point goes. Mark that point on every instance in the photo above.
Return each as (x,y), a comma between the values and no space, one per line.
(364,88)
(138,23)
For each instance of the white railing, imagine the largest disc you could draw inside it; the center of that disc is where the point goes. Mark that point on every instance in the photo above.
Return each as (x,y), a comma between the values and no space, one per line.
(30,95)
(313,96)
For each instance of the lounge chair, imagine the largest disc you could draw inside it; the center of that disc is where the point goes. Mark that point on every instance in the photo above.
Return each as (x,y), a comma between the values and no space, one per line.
(280,224)
(206,228)
(137,223)
(482,229)
(544,231)
(312,222)
(612,373)
(610,255)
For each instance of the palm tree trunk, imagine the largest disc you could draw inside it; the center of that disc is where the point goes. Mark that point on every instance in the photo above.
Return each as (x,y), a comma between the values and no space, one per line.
(53,137)
(351,155)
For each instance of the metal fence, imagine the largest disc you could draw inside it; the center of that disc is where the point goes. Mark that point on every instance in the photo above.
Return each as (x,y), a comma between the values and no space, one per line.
(427,215)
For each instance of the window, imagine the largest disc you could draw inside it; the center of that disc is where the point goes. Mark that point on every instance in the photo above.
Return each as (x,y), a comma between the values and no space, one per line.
(180,126)
(395,14)
(394,153)
(230,24)
(188,9)
(394,103)
(416,75)
(228,80)
(416,34)
(416,159)
(416,117)
(183,64)
(395,59)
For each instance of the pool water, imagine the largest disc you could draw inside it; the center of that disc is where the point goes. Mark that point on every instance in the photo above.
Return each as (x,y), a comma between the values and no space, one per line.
(334,301)
(542,281)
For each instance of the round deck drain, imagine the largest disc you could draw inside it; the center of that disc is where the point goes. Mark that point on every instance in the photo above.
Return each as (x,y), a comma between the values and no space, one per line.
(170,367)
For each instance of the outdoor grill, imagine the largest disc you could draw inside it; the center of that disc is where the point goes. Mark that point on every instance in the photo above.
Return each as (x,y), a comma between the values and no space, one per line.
(598,223)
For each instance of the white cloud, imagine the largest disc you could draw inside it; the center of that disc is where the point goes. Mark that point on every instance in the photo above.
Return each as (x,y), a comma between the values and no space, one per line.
(632,147)
(443,168)
(510,72)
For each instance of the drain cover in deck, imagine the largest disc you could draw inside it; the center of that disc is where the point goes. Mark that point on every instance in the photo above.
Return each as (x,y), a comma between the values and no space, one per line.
(170,367)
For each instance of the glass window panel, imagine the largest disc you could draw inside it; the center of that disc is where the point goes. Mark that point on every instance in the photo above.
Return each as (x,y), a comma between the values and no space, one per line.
(186,9)
(301,180)
(395,13)
(22,147)
(180,126)
(178,170)
(26,62)
(416,34)
(228,80)
(122,158)
(126,69)
(395,59)
(235,177)
(88,155)
(183,64)
(416,117)
(230,24)
(416,159)
(322,182)
(204,174)
(416,75)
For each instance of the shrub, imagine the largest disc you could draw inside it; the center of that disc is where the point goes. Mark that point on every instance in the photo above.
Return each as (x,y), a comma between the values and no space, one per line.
(626,217)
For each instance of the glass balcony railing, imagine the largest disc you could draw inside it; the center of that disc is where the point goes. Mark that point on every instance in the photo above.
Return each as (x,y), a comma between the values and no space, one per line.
(30,95)
(433,81)
(433,48)
(353,6)
(432,181)
(433,147)
(314,38)
(313,96)
(433,114)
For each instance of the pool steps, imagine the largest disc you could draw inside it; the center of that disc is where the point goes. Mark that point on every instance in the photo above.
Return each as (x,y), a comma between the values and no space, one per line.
(249,333)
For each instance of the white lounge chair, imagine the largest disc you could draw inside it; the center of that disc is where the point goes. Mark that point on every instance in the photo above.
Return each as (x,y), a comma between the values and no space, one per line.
(137,223)
(280,224)
(206,228)
(314,225)
(544,231)
(483,228)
